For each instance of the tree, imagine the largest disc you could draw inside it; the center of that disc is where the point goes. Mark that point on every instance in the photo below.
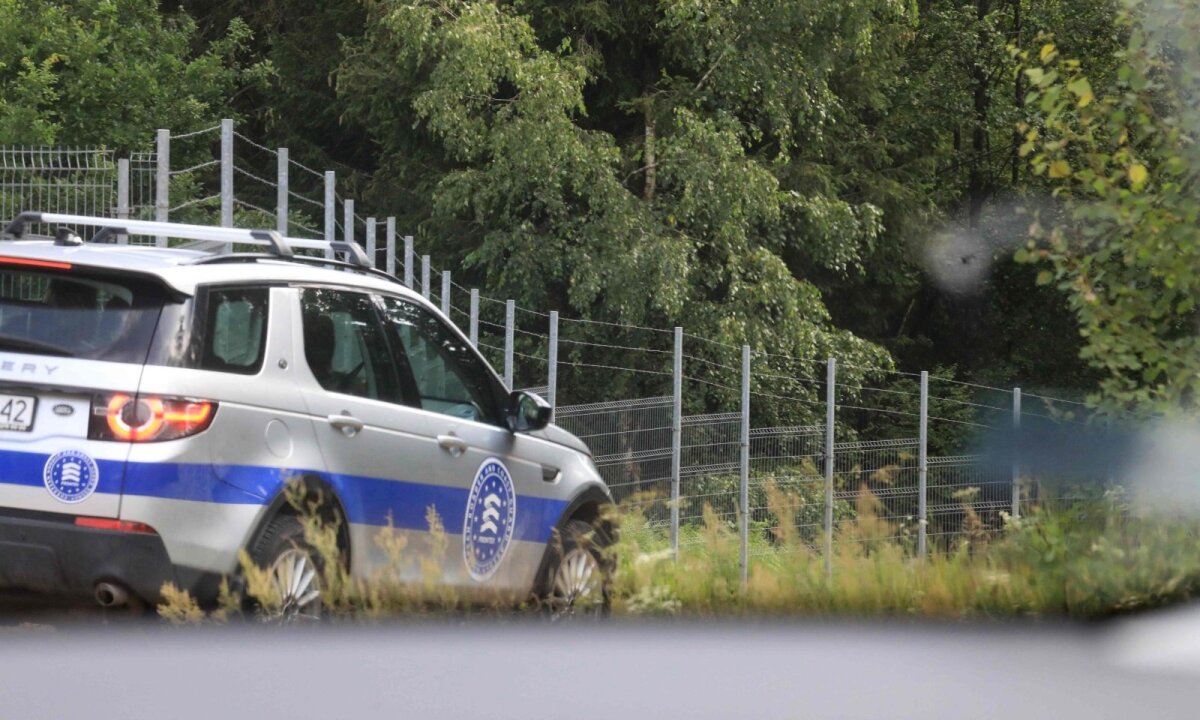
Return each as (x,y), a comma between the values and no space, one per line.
(1122,243)
(108,72)
(628,162)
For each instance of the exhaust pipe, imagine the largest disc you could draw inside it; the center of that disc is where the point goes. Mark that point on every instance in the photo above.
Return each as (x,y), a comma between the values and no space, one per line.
(111,595)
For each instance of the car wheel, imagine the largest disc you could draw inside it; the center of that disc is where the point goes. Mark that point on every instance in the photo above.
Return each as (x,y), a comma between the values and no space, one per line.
(294,570)
(578,574)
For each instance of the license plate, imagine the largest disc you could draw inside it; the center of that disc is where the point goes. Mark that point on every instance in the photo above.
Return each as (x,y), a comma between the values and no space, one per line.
(16,412)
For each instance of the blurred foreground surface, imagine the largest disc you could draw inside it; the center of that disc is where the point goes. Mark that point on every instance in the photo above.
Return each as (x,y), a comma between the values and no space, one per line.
(1144,667)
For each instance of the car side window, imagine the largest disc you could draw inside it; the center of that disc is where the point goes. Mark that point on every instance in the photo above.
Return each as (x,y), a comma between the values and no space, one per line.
(345,344)
(450,377)
(235,330)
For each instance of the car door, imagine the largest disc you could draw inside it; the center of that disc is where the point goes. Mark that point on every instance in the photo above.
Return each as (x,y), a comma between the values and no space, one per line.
(381,456)
(508,479)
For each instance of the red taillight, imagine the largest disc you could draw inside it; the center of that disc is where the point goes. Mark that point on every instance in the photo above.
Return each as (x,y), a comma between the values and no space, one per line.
(29,262)
(148,418)
(129,526)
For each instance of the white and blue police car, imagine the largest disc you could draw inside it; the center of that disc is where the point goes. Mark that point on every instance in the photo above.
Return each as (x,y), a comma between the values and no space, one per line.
(156,405)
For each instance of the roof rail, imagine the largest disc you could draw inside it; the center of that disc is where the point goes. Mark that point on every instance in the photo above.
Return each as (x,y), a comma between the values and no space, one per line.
(278,245)
(365,269)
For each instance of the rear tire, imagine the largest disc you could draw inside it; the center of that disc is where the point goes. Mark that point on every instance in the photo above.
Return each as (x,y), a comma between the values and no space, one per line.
(578,574)
(295,568)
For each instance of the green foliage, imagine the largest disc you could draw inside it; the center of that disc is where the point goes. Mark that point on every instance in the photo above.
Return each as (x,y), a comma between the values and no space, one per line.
(108,72)
(1123,246)
(571,178)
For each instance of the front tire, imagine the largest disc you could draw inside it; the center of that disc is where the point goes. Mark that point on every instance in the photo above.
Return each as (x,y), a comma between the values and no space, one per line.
(578,574)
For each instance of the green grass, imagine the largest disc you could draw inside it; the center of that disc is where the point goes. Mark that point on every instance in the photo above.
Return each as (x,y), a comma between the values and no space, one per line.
(1092,559)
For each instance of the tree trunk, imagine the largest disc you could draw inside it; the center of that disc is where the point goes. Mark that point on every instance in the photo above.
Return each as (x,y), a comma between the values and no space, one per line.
(977,189)
(651,157)
(1018,96)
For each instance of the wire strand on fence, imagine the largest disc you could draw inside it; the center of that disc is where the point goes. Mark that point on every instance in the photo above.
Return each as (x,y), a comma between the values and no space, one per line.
(1054,399)
(967,402)
(848,386)
(799,378)
(612,347)
(252,176)
(307,169)
(264,148)
(611,367)
(708,362)
(252,206)
(970,384)
(611,324)
(310,201)
(186,135)
(193,168)
(197,201)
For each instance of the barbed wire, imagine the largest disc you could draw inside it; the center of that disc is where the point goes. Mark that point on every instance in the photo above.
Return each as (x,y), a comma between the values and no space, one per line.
(252,176)
(193,168)
(186,135)
(264,148)
(197,201)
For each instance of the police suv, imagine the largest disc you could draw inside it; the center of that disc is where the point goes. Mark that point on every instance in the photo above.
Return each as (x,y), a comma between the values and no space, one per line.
(160,409)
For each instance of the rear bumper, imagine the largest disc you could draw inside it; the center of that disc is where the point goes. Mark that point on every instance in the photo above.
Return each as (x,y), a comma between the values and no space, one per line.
(46,552)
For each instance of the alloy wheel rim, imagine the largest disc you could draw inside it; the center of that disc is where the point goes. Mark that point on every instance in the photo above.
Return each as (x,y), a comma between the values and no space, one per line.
(298,585)
(577,583)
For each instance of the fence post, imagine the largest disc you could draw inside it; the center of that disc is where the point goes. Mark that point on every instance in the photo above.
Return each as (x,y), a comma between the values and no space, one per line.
(446,293)
(425,276)
(391,247)
(281,191)
(162,181)
(830,406)
(348,221)
(510,317)
(330,212)
(371,241)
(123,196)
(1016,468)
(676,436)
(226,177)
(744,497)
(552,365)
(473,328)
(409,261)
(923,465)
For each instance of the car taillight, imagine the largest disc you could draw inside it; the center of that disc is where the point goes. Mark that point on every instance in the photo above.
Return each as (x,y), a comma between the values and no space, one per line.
(148,418)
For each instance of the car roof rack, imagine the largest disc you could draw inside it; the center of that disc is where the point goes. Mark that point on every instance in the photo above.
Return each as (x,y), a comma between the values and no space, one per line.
(278,246)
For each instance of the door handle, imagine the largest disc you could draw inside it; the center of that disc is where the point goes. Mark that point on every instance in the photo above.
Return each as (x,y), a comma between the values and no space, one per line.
(452,443)
(348,424)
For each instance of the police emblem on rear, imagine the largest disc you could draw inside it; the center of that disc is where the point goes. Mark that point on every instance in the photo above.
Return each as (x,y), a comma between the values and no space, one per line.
(71,476)
(491,515)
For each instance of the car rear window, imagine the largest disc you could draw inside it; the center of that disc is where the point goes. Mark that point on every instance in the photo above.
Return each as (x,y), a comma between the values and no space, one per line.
(74,314)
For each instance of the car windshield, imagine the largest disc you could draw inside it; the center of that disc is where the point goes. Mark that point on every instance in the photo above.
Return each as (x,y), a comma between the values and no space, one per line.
(48,312)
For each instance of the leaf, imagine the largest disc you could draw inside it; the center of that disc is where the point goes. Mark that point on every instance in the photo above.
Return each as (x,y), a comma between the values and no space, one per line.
(1138,174)
(1082,89)
(1048,52)
(1045,277)
(1060,169)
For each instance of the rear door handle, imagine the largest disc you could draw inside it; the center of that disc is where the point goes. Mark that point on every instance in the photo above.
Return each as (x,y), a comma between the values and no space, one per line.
(348,424)
(452,443)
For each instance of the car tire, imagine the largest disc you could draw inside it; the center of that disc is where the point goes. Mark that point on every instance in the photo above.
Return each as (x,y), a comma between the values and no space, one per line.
(578,573)
(296,571)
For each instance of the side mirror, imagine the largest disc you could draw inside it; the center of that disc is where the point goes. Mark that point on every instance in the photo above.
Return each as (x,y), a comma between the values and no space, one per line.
(527,412)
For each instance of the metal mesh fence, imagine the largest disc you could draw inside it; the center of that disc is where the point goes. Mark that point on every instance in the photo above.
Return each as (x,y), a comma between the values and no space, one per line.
(631,446)
(75,181)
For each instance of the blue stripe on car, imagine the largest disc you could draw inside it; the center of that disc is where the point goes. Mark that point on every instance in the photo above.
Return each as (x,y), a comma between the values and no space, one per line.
(367,500)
